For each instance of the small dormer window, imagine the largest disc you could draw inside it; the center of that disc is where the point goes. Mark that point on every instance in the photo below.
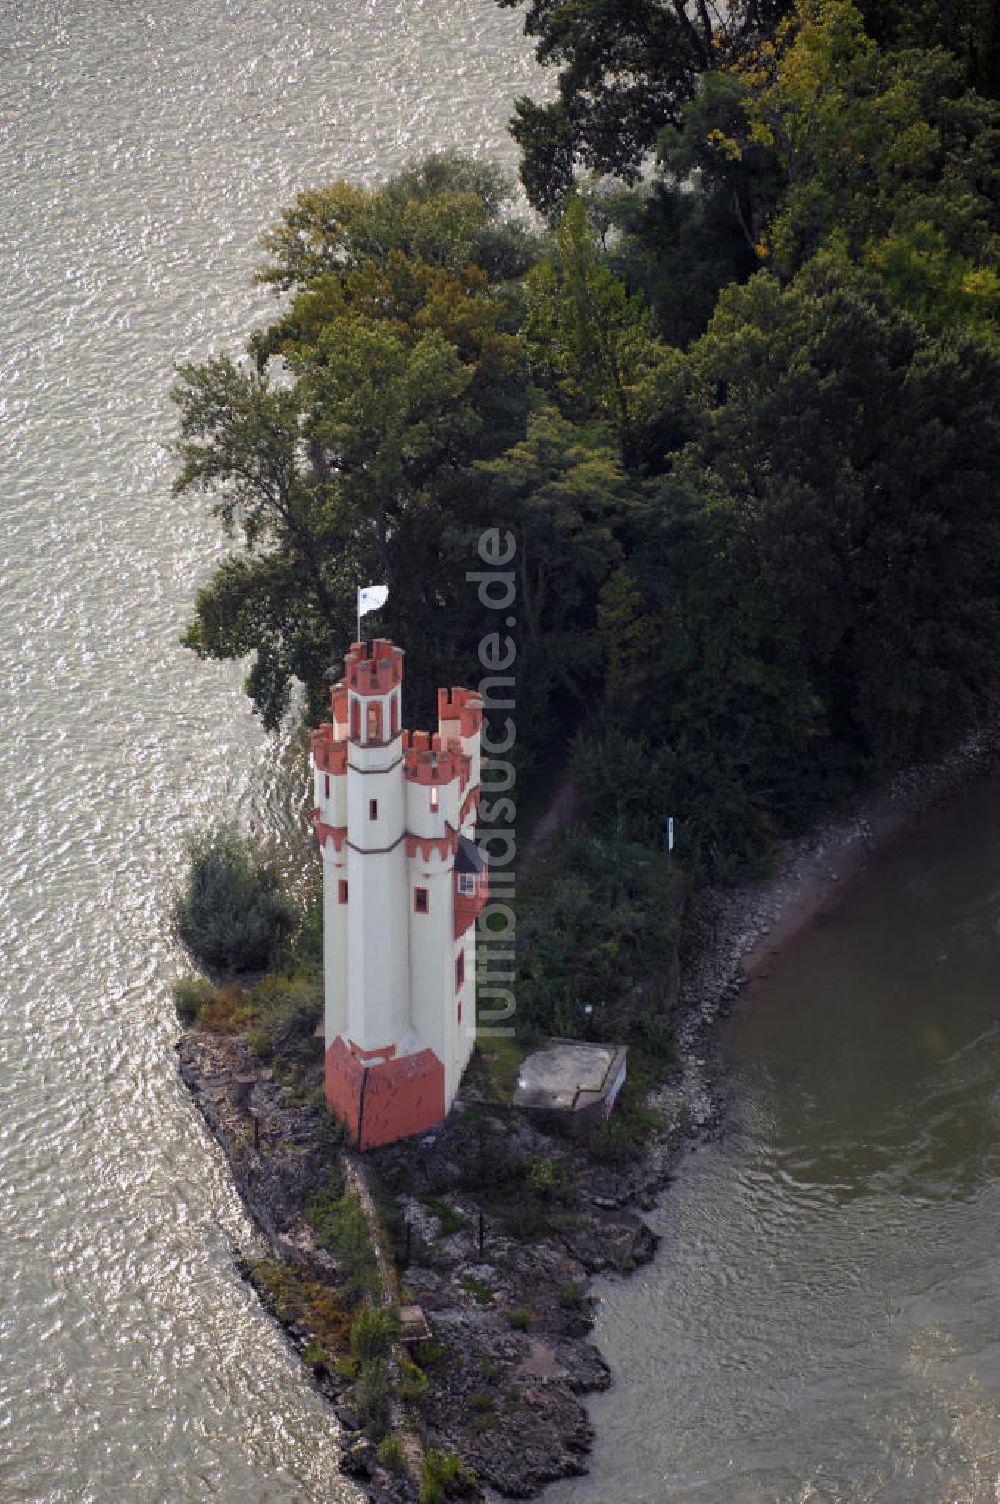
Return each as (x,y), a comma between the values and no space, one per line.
(434,799)
(467,884)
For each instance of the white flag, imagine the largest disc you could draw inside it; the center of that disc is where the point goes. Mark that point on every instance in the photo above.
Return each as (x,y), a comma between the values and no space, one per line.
(370,598)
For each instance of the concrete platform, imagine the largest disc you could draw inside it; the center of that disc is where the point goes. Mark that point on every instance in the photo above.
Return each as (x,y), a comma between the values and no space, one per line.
(573,1084)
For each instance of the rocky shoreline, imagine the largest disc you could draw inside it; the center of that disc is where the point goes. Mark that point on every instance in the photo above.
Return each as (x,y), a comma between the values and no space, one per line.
(504,1376)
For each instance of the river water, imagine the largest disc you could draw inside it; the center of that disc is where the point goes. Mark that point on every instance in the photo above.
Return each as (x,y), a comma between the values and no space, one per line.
(143,147)
(822,1322)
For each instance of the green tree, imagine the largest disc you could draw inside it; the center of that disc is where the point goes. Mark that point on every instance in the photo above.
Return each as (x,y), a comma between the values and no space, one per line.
(342,454)
(969,29)
(849,457)
(625,71)
(562,495)
(885,157)
(588,338)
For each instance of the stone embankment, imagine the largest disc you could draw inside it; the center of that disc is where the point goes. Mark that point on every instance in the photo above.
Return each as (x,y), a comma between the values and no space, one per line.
(510,1357)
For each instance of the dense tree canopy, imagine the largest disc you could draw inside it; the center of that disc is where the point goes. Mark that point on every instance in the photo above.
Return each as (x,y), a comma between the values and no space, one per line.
(740,415)
(626,71)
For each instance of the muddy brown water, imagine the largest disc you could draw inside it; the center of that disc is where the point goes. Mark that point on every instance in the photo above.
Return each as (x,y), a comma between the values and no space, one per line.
(822,1322)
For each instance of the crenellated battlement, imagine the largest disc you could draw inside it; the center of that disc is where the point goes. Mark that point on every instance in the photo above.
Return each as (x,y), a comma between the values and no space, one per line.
(373,668)
(460,712)
(425,761)
(329,751)
(403,883)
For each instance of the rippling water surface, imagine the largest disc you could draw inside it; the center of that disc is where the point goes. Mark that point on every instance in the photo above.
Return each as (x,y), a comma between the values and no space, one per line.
(143,146)
(822,1324)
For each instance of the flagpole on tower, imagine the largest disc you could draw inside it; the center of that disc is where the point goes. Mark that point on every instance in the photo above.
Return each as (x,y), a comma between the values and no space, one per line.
(370,598)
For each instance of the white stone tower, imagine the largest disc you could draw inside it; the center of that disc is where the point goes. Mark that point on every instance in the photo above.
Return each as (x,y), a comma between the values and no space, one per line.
(403,884)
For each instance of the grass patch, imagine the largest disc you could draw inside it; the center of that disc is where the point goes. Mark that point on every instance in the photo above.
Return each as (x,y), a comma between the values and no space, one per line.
(338,1221)
(450,1219)
(481,1293)
(497,1063)
(191,993)
(373,1333)
(297,1300)
(372,1395)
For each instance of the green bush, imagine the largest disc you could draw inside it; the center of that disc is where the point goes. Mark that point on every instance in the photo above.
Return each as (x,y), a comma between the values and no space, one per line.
(391,1454)
(480,1293)
(339,1223)
(231,913)
(373,1397)
(450,1219)
(373,1333)
(291,1008)
(190,994)
(412,1383)
(444,1474)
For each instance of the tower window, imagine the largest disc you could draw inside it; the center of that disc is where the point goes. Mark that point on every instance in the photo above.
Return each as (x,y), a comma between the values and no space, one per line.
(342,890)
(374,723)
(420,900)
(434,799)
(459,969)
(326,785)
(373,809)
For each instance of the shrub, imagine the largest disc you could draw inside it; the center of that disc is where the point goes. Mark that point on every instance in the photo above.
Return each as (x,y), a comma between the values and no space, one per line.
(450,1219)
(373,1333)
(373,1396)
(412,1383)
(231,914)
(441,1473)
(291,1007)
(391,1454)
(572,1295)
(518,1318)
(190,994)
(339,1223)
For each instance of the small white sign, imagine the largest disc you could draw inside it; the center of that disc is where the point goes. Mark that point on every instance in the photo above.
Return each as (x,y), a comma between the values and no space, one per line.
(670,833)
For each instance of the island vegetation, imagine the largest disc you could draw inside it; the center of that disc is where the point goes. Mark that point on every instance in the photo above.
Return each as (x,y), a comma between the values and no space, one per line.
(734,390)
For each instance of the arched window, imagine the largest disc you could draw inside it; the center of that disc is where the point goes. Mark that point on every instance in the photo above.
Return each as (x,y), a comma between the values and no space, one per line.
(355,719)
(373,732)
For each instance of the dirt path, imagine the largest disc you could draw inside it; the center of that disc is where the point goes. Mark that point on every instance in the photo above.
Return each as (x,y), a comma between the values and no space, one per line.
(560,813)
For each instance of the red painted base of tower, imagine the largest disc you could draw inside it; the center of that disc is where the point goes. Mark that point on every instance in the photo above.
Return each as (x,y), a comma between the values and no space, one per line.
(382,1101)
